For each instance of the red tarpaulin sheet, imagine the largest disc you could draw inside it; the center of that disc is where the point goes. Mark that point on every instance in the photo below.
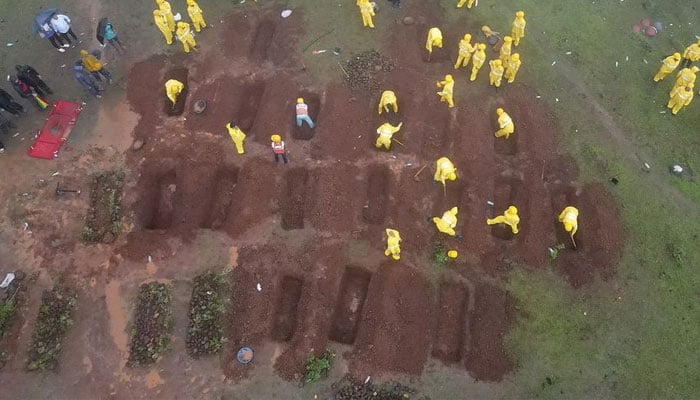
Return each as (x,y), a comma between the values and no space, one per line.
(55,130)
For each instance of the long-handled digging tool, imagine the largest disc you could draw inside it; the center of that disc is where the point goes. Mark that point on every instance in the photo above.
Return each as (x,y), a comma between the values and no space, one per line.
(571,235)
(415,177)
(397,141)
(59,190)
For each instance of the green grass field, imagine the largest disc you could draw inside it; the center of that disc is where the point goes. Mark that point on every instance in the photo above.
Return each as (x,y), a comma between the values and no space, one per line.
(640,332)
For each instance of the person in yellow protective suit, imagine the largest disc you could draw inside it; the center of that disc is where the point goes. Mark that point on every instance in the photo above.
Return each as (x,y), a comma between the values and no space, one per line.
(196,15)
(465,51)
(470,3)
(434,39)
(686,76)
(505,124)
(385,133)
(237,136)
(162,24)
(164,6)
(447,90)
(478,60)
(569,218)
(667,66)
(512,67)
(680,97)
(447,223)
(691,54)
(496,73)
(509,217)
(444,170)
(172,89)
(393,240)
(388,99)
(518,30)
(184,35)
(506,48)
(367,12)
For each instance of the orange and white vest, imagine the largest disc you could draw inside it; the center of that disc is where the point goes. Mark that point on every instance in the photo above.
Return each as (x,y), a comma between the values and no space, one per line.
(302,109)
(278,147)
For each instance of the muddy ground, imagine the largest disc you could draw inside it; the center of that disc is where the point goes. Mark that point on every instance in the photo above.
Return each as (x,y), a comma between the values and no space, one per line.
(309,232)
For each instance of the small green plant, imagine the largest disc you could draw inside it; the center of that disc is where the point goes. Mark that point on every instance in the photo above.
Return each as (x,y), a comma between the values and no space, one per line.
(677,254)
(318,367)
(553,251)
(440,254)
(7,312)
(206,332)
(150,336)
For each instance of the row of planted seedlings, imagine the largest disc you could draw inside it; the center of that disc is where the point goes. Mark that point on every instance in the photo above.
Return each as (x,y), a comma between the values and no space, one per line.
(153,320)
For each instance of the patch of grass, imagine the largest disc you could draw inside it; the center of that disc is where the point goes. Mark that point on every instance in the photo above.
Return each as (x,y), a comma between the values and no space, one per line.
(51,325)
(103,219)
(318,367)
(205,334)
(440,257)
(7,312)
(150,335)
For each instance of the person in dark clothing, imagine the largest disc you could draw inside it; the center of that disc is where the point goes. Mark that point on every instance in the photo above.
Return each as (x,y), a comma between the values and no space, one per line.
(105,32)
(9,104)
(32,77)
(85,79)
(45,31)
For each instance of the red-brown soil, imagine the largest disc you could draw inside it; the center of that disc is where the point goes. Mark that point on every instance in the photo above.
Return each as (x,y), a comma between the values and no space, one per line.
(300,225)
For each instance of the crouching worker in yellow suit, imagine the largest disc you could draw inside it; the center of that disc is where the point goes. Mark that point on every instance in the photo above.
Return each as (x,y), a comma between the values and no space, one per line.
(569,218)
(445,170)
(385,132)
(196,15)
(505,124)
(668,65)
(388,99)
(434,39)
(172,89)
(184,35)
(446,94)
(237,136)
(393,239)
(446,224)
(509,217)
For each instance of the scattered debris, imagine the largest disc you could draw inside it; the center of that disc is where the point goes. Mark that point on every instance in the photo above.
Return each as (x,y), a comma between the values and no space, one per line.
(286,13)
(361,70)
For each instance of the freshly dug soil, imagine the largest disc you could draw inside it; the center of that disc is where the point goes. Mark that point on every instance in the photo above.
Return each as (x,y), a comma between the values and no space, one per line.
(102,222)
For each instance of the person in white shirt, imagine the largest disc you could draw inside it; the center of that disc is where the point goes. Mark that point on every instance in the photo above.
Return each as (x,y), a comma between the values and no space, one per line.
(61,24)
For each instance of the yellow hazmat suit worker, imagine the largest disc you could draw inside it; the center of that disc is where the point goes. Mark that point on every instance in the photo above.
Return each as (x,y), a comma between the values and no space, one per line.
(447,223)
(162,24)
(172,89)
(465,51)
(686,76)
(434,39)
(512,67)
(367,12)
(385,133)
(505,124)
(164,6)
(691,53)
(667,66)
(237,136)
(680,97)
(388,99)
(478,60)
(470,3)
(569,218)
(447,90)
(518,30)
(444,170)
(184,35)
(510,218)
(496,73)
(393,240)
(196,15)
(506,49)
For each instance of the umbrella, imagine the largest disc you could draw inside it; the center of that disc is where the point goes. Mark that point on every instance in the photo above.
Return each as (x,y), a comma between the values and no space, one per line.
(101,26)
(41,18)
